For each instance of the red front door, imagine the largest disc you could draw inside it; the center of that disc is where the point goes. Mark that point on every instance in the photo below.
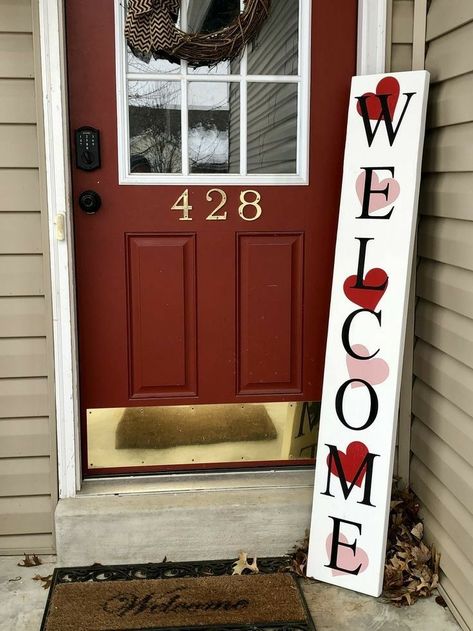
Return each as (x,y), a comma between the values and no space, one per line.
(181,305)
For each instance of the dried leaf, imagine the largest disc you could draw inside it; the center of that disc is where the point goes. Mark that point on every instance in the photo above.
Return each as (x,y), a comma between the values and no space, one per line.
(45,580)
(298,558)
(14,580)
(411,570)
(418,530)
(242,564)
(30,560)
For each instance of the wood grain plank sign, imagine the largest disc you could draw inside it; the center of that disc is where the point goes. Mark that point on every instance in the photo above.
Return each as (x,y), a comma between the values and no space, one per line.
(360,398)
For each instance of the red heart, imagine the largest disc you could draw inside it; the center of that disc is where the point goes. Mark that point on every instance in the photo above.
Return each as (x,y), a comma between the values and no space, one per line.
(351,461)
(366,298)
(388,86)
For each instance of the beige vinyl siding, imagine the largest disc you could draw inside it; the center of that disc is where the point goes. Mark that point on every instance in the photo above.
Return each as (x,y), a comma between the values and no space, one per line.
(24,437)
(441,468)
(20,190)
(401,35)
(17,101)
(16,16)
(22,145)
(16,55)
(27,455)
(20,233)
(22,317)
(21,276)
(399,58)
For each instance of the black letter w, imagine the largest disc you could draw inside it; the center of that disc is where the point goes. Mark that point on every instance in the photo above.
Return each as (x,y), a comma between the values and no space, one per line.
(385,115)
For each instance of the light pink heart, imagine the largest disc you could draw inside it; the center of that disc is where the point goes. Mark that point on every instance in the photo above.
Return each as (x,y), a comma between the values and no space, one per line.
(346,558)
(377,201)
(373,370)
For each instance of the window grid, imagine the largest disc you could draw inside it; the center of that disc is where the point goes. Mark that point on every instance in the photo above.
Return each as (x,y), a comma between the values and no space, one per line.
(123,77)
(184,101)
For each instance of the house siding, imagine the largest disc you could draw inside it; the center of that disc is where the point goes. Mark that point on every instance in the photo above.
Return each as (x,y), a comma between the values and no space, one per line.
(28,487)
(441,471)
(402,35)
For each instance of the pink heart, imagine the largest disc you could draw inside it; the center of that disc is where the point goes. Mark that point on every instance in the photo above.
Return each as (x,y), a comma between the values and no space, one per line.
(373,370)
(378,201)
(346,558)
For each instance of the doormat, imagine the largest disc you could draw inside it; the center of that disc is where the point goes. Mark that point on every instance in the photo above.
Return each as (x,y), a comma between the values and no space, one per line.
(168,596)
(163,427)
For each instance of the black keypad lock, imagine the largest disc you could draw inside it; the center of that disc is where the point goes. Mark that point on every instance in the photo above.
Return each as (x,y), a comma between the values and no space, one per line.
(87,148)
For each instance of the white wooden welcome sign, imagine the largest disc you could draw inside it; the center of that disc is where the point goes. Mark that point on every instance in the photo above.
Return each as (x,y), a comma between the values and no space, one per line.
(368,310)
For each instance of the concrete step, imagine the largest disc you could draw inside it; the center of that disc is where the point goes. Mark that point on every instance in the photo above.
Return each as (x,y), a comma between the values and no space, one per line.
(264,515)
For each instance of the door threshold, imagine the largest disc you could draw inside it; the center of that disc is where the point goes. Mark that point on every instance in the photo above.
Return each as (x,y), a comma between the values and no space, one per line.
(300,477)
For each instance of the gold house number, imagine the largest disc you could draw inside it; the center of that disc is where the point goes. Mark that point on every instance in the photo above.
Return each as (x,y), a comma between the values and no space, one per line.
(249,208)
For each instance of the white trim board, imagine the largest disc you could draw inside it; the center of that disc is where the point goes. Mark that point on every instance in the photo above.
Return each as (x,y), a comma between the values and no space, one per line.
(371,54)
(55,114)
(371,48)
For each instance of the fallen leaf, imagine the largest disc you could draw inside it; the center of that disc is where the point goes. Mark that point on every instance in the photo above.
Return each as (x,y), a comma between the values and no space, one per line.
(30,560)
(418,530)
(297,561)
(242,564)
(411,569)
(441,601)
(13,580)
(46,580)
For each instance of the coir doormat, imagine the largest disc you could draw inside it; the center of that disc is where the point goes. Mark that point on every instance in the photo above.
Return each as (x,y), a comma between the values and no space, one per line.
(162,427)
(170,596)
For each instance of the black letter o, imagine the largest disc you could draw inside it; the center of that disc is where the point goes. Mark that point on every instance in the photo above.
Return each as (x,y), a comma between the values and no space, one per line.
(373,404)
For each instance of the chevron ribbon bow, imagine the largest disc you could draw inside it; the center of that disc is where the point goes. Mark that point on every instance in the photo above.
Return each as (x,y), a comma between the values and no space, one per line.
(150,27)
(151,31)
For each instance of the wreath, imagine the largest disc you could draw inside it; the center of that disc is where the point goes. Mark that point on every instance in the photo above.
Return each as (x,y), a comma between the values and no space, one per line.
(151,31)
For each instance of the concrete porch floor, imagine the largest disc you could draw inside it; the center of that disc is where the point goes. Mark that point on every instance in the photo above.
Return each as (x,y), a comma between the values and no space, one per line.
(22,603)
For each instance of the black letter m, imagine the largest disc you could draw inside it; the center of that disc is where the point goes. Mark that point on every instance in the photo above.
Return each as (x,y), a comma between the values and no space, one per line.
(365,466)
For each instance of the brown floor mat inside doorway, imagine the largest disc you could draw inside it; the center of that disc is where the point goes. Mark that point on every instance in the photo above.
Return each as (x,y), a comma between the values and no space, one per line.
(163,427)
(95,599)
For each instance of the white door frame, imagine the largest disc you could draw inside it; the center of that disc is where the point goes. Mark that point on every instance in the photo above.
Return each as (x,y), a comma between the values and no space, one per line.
(371,53)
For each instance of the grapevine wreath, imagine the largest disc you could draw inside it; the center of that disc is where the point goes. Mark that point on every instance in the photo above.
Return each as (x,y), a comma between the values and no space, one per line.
(151,31)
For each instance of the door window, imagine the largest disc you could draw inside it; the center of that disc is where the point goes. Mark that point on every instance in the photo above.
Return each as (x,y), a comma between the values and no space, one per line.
(245,120)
